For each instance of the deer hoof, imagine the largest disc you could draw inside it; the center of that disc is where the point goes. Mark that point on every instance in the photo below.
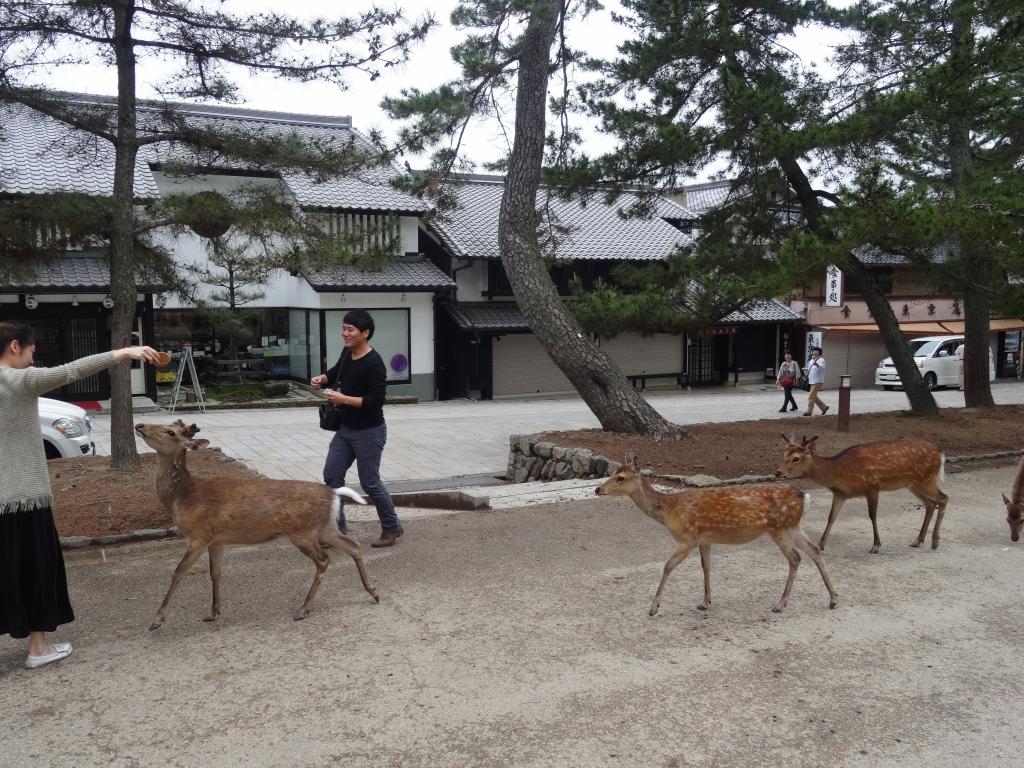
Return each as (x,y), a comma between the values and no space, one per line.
(653,611)
(935,545)
(777,609)
(701,607)
(300,614)
(211,617)
(873,551)
(156,624)
(916,544)
(832,604)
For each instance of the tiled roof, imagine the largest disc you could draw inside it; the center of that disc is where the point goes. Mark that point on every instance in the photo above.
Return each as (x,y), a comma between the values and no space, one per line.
(772,311)
(595,230)
(701,198)
(71,272)
(489,316)
(403,274)
(872,256)
(38,155)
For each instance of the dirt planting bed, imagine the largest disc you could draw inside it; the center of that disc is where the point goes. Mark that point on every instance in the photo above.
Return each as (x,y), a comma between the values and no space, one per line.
(738,448)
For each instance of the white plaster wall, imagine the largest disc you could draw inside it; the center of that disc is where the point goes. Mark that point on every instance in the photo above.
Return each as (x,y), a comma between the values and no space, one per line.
(409,231)
(471,281)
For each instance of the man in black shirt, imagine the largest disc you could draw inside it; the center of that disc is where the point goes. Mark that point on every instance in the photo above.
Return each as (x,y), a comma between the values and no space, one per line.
(357,384)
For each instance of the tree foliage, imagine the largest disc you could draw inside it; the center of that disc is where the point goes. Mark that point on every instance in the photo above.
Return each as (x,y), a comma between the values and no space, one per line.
(208,46)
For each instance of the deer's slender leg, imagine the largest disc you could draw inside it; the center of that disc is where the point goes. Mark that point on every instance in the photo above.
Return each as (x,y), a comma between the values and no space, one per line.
(705,564)
(872,497)
(331,536)
(943,499)
(677,557)
(216,554)
(929,507)
(784,541)
(192,553)
(808,547)
(311,549)
(837,504)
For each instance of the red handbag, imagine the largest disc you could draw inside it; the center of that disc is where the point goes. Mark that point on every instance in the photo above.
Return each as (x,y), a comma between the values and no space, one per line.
(787,381)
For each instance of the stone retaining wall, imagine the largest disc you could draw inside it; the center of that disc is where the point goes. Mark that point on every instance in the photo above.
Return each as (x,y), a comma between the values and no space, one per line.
(530,458)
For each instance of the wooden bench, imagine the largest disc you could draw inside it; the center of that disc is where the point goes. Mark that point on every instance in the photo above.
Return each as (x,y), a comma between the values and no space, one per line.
(680,378)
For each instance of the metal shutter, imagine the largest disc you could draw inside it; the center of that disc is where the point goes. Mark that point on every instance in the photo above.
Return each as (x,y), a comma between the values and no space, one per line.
(635,353)
(857,354)
(521,366)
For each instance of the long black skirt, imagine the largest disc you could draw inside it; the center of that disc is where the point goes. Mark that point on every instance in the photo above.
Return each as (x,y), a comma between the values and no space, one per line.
(33,585)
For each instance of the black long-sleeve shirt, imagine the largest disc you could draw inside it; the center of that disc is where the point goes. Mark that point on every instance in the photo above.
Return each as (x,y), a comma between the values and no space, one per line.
(365,378)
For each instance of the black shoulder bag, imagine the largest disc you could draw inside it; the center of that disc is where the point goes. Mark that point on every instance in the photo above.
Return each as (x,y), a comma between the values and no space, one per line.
(330,416)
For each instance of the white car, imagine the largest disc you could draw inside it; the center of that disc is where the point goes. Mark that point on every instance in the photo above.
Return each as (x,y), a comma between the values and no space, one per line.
(937,360)
(67,430)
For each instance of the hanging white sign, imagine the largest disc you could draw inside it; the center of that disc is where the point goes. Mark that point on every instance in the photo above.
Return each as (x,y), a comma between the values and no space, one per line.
(833,286)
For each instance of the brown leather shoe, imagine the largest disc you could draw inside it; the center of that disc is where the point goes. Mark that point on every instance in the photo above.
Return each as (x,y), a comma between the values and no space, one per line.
(387,538)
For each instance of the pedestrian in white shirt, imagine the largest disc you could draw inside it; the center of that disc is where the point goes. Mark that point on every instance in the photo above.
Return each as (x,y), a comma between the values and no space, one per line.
(815,370)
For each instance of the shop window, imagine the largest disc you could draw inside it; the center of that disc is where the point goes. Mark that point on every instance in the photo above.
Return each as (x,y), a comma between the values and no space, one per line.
(391,338)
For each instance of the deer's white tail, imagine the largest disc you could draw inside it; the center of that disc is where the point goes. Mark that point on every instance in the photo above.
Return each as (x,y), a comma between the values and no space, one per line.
(942,469)
(343,491)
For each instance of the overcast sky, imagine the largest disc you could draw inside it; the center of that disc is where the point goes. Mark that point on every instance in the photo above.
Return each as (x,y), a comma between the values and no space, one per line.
(430,64)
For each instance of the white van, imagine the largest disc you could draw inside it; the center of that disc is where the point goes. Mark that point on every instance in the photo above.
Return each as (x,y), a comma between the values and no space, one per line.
(935,357)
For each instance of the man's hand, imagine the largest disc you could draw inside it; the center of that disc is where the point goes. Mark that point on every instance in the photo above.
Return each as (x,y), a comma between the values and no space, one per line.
(318,381)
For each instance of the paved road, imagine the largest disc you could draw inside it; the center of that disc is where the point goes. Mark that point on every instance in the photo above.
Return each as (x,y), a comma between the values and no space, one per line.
(521,638)
(430,441)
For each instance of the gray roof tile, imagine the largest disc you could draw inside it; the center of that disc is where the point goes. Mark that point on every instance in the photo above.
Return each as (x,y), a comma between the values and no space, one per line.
(772,311)
(701,198)
(596,230)
(402,274)
(872,256)
(71,272)
(38,155)
(488,316)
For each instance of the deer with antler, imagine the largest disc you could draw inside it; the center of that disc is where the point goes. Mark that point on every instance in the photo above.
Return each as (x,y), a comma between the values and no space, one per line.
(865,470)
(704,516)
(212,512)
(1015,506)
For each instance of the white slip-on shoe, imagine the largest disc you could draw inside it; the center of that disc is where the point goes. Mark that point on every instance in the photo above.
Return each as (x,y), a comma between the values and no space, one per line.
(61,651)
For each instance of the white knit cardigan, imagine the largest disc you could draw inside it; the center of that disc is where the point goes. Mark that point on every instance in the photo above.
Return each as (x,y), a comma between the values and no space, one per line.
(24,480)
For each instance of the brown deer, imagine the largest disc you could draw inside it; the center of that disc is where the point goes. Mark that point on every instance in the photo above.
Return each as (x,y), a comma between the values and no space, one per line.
(706,516)
(865,470)
(212,512)
(1015,506)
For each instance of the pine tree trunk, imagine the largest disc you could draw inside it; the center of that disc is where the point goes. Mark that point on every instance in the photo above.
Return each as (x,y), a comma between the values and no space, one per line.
(975,267)
(600,383)
(922,403)
(124,455)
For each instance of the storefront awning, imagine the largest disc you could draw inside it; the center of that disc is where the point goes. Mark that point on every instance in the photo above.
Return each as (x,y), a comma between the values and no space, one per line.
(935,329)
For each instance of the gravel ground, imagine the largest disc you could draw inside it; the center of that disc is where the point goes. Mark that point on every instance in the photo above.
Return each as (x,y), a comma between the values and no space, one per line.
(522,638)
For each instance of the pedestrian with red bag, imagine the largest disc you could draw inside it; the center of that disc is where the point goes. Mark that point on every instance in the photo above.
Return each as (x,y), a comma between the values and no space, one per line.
(789,372)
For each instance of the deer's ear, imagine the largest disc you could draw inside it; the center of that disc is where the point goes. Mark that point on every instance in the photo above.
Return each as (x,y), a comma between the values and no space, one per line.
(629,458)
(1005,500)
(195,445)
(790,438)
(192,430)
(179,422)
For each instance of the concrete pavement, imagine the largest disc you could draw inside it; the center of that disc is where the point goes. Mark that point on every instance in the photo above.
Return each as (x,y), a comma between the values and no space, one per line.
(441,440)
(522,639)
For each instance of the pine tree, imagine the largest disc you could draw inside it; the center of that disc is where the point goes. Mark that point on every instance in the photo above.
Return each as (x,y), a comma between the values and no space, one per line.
(38,36)
(523,41)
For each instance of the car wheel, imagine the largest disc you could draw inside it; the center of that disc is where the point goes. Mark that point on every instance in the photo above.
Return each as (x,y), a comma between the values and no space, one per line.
(930,381)
(888,387)
(51,450)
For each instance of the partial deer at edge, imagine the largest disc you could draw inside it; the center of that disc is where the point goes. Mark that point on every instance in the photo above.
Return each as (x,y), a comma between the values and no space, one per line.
(1015,506)
(865,470)
(705,516)
(212,512)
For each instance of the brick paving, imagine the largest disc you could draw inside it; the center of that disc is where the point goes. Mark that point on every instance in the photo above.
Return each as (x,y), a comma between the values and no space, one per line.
(440,440)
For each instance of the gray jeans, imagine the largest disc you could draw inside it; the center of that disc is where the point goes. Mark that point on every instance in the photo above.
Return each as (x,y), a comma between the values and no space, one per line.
(364,447)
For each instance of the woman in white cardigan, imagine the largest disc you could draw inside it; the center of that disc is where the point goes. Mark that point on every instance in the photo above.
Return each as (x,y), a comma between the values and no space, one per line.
(33,586)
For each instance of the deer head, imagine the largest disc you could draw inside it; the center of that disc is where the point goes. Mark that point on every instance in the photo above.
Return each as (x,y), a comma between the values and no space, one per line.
(624,480)
(168,439)
(1015,517)
(798,457)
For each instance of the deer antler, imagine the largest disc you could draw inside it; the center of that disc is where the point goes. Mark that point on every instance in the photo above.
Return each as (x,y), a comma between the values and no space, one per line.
(806,442)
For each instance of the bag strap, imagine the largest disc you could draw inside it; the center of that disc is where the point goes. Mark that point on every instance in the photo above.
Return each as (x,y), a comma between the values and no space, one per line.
(341,367)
